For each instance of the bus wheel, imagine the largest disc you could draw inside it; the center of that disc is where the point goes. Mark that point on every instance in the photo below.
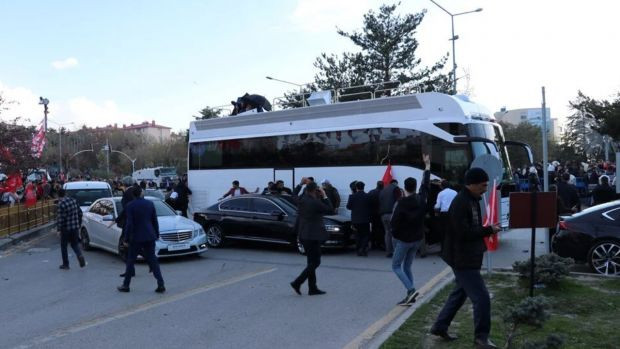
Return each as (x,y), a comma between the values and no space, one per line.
(215,235)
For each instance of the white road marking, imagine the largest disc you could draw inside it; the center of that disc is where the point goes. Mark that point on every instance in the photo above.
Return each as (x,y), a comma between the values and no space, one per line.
(370,332)
(141,308)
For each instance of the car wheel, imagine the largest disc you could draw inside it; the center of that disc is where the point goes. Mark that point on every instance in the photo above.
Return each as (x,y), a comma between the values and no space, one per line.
(85,240)
(215,235)
(300,247)
(122,250)
(604,257)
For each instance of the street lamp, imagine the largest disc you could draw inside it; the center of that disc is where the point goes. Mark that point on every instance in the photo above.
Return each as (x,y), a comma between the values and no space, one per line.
(453,39)
(44,102)
(133,169)
(301,93)
(59,138)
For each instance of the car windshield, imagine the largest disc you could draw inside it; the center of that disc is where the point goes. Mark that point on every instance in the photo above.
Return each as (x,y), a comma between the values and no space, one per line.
(168,171)
(161,208)
(85,197)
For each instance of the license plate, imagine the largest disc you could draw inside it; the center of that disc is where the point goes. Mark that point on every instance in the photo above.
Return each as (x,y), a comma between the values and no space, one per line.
(178,247)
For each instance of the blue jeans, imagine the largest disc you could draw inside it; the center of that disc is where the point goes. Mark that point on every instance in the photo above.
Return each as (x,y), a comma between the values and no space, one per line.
(404,253)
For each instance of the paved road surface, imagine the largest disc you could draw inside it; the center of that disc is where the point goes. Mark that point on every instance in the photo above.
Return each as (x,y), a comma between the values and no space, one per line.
(236,297)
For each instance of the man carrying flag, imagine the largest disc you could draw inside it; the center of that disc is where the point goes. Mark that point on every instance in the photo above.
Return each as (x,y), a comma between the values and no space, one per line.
(463,251)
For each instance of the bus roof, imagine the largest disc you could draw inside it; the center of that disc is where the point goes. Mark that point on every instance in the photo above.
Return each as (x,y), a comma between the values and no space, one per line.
(434,106)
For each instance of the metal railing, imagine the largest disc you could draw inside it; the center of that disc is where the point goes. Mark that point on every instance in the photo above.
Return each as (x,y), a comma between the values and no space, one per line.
(350,93)
(19,218)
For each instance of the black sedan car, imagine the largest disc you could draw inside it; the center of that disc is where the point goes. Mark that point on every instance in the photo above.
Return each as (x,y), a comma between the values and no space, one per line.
(267,218)
(592,236)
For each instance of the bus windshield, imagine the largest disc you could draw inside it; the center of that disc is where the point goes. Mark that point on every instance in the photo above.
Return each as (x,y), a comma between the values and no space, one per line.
(494,133)
(168,171)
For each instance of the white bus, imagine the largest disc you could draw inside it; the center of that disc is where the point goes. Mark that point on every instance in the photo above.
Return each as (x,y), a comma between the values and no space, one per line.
(342,142)
(161,176)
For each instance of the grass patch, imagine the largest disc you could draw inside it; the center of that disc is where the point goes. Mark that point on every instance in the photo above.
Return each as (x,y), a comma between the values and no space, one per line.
(583,310)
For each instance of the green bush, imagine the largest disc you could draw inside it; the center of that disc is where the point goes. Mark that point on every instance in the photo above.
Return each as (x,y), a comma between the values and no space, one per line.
(530,312)
(553,341)
(549,268)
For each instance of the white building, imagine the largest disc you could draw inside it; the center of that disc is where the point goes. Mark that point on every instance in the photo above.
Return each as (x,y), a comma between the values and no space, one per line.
(532,116)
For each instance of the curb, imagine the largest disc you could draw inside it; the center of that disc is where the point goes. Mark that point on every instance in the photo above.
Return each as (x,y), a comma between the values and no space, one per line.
(374,336)
(12,240)
(429,291)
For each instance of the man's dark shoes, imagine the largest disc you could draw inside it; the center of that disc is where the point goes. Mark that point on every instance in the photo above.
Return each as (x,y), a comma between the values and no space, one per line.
(403,301)
(315,292)
(484,344)
(123,275)
(82,261)
(123,288)
(444,335)
(296,288)
(160,289)
(389,255)
(411,296)
(64,267)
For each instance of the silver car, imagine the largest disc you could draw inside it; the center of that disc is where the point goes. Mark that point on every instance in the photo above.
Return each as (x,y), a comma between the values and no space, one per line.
(177,235)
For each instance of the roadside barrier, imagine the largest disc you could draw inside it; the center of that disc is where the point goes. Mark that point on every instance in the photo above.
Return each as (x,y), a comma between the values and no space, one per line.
(19,218)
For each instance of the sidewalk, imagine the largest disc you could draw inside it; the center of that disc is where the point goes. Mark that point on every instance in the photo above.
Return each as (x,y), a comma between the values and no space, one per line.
(514,245)
(14,239)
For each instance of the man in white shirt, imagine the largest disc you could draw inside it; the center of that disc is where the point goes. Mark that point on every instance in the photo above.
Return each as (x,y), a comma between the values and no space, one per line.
(445,197)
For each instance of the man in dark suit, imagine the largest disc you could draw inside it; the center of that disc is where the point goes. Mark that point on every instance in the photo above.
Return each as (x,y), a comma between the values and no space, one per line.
(142,230)
(313,205)
(360,205)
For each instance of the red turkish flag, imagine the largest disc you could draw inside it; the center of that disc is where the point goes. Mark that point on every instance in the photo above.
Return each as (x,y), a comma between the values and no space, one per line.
(387,176)
(492,218)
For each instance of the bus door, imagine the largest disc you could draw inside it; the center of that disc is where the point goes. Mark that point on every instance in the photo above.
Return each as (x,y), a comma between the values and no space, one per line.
(287,175)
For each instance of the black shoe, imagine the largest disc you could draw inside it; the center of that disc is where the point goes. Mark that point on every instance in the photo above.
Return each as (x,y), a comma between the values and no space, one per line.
(160,289)
(296,288)
(411,296)
(484,344)
(389,255)
(444,335)
(123,275)
(82,261)
(403,302)
(315,292)
(123,288)
(64,267)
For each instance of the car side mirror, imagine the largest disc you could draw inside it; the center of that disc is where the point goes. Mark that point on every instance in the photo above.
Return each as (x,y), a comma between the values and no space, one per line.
(108,218)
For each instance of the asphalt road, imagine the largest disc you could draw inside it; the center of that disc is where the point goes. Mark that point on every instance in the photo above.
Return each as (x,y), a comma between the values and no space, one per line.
(236,297)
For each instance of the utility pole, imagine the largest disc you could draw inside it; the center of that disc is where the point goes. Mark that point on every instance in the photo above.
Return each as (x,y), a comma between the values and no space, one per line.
(107,156)
(44,102)
(544,143)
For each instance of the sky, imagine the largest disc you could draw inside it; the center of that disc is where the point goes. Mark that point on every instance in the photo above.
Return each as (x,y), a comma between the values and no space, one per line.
(123,62)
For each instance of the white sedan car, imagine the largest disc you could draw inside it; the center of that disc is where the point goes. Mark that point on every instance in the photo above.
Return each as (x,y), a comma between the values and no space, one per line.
(177,235)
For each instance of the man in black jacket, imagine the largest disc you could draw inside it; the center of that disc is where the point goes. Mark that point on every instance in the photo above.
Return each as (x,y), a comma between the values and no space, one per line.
(463,251)
(360,205)
(313,205)
(568,194)
(408,230)
(603,192)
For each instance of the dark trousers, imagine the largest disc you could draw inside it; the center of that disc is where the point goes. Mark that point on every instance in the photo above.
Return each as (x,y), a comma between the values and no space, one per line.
(313,254)
(362,235)
(377,233)
(147,249)
(69,237)
(469,284)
